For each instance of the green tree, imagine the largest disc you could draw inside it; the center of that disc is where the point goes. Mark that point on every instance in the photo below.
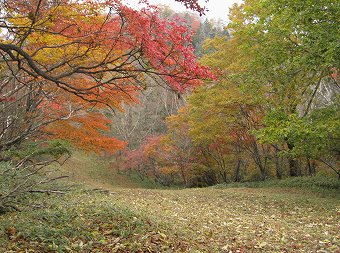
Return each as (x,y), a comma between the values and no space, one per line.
(294,50)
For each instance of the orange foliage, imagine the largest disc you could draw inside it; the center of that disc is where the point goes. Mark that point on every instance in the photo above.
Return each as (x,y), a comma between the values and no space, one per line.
(86,132)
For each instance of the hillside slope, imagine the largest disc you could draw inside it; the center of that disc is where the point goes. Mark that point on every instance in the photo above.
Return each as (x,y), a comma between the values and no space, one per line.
(94,171)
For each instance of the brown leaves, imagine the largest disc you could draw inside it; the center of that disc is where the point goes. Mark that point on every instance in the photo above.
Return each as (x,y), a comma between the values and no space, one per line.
(193,220)
(10,231)
(242,220)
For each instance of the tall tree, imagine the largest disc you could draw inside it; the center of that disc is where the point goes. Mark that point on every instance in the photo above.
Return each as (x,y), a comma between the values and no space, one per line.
(294,52)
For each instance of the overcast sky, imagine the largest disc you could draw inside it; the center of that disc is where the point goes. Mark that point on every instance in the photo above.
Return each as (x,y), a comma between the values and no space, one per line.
(218,9)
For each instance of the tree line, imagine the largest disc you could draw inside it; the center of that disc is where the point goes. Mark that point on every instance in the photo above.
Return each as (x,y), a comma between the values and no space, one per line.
(273,111)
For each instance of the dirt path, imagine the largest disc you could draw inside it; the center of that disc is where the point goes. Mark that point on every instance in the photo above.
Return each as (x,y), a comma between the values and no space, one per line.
(242,220)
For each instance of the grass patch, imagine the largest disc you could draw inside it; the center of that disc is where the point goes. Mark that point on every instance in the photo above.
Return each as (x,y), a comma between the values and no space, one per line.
(81,221)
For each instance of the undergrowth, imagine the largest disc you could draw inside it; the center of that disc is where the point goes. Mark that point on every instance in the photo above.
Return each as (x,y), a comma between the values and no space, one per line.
(81,221)
(317,184)
(148,183)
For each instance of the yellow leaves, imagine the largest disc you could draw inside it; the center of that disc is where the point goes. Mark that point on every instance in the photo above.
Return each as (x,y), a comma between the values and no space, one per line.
(169,170)
(179,121)
(20,21)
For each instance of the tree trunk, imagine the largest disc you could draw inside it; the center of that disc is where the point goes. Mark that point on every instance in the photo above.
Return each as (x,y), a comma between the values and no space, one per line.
(293,167)
(293,164)
(238,171)
(278,165)
(185,180)
(311,166)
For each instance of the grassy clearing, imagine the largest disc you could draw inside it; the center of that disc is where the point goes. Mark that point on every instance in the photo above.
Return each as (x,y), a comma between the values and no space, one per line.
(143,182)
(190,220)
(216,219)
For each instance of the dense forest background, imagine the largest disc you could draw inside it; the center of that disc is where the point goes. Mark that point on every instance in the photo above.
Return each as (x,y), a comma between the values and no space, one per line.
(273,111)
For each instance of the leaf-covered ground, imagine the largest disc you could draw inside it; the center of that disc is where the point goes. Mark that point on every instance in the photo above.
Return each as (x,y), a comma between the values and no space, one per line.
(84,221)
(191,220)
(243,220)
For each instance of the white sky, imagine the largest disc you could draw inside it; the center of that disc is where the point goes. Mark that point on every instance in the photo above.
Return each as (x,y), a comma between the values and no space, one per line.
(218,9)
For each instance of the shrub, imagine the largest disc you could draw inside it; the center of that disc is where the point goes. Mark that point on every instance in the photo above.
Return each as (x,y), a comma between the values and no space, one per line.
(26,171)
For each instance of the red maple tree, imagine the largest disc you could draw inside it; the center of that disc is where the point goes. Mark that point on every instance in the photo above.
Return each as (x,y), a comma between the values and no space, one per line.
(75,56)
